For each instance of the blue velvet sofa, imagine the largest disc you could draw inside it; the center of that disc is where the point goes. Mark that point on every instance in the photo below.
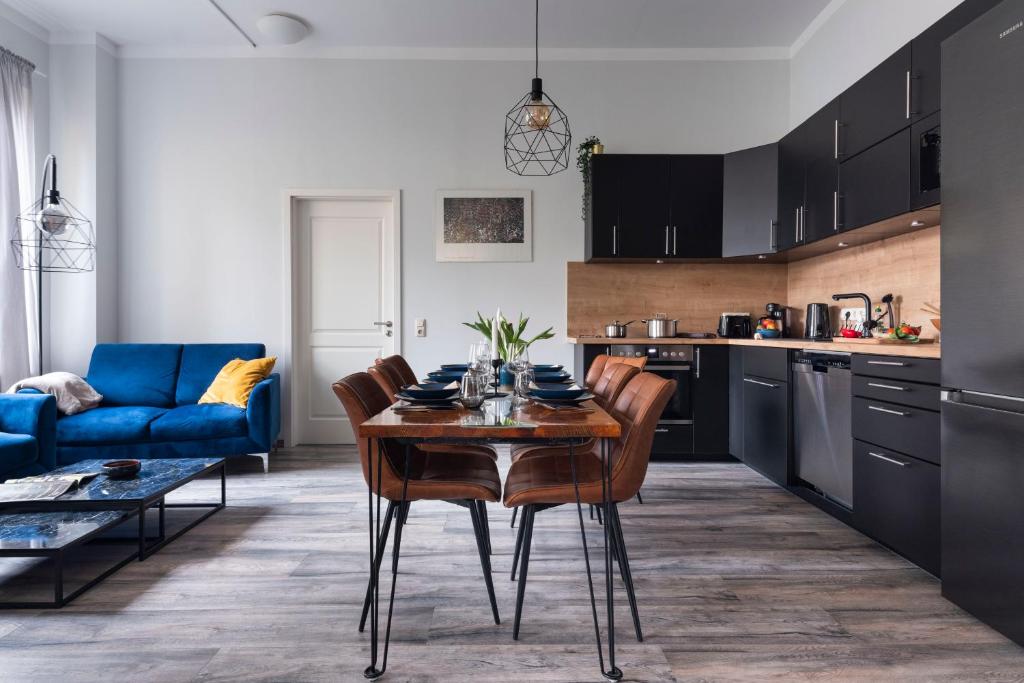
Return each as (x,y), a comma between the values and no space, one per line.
(28,426)
(150,406)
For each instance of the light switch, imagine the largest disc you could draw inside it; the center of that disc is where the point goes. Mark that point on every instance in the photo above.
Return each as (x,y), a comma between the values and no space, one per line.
(421,327)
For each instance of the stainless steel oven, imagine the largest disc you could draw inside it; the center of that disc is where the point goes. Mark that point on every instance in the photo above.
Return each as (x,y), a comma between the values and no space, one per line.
(674,433)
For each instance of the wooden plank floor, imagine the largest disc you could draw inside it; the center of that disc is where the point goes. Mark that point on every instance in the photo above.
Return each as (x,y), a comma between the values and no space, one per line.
(737,580)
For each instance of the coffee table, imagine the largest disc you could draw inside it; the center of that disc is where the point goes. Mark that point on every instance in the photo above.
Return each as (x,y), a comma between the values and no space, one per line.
(120,499)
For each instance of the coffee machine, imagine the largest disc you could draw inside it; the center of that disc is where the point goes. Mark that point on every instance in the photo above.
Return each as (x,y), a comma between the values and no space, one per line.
(778,314)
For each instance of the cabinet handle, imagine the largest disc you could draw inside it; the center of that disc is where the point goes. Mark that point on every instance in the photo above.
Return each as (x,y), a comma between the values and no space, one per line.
(887,459)
(796,234)
(771,235)
(908,93)
(666,240)
(698,363)
(661,430)
(893,363)
(674,252)
(892,387)
(803,223)
(886,410)
(835,141)
(615,240)
(760,383)
(835,211)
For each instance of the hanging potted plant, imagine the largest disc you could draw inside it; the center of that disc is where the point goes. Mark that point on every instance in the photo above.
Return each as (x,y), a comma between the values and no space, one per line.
(589,147)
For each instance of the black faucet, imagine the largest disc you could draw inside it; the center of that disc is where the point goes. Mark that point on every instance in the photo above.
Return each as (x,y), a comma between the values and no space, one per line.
(869,322)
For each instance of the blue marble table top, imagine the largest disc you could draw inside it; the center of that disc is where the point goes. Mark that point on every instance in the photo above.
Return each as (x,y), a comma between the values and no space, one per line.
(53,530)
(157,477)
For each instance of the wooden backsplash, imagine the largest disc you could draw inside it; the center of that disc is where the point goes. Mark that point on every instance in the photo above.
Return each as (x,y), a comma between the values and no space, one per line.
(907,266)
(697,294)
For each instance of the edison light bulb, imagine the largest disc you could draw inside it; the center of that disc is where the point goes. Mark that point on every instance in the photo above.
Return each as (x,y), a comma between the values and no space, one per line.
(53,220)
(538,114)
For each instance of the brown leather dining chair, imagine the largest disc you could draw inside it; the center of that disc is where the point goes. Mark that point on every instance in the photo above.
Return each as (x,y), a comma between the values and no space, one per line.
(401,367)
(603,360)
(541,482)
(465,478)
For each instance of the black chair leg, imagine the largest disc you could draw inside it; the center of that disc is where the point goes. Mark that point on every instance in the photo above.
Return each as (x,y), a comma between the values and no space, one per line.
(624,570)
(600,515)
(485,524)
(515,511)
(527,521)
(519,546)
(381,542)
(591,512)
(639,498)
(485,559)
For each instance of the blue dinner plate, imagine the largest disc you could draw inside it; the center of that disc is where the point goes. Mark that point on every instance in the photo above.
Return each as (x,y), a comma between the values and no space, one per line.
(455,367)
(586,396)
(548,391)
(416,400)
(431,390)
(548,368)
(445,376)
(550,376)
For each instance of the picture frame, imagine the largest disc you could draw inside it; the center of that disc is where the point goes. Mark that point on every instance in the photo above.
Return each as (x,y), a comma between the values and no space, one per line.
(483,226)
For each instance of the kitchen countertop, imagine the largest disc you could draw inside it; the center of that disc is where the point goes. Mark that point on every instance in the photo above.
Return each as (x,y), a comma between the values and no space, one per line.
(931,350)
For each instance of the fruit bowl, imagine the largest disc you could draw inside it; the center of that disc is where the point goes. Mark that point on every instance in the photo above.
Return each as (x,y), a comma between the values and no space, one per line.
(768,334)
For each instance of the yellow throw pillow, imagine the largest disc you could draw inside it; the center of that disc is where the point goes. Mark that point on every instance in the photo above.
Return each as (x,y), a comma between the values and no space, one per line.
(236,380)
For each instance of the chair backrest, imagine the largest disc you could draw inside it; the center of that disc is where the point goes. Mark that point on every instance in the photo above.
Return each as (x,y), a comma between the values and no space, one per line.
(387,379)
(613,380)
(363,398)
(602,361)
(405,371)
(637,409)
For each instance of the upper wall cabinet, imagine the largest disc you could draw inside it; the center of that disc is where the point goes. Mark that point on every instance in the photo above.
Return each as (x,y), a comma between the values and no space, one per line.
(655,207)
(876,106)
(926,55)
(750,201)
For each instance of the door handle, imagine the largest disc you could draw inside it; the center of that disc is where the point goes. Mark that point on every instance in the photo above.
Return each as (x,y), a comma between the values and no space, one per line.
(387,325)
(888,459)
(887,410)
(891,387)
(760,383)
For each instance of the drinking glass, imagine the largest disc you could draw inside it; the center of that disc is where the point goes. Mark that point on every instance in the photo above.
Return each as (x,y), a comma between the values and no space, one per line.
(474,389)
(480,357)
(518,365)
(524,378)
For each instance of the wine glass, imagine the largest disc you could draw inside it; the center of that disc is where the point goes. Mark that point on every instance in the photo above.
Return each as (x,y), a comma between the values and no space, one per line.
(524,378)
(517,364)
(480,357)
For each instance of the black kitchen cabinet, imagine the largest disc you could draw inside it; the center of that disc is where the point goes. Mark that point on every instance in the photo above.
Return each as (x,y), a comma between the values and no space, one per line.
(643,206)
(710,400)
(602,213)
(808,179)
(925,90)
(896,501)
(736,402)
(925,162)
(695,206)
(655,206)
(876,106)
(750,201)
(766,427)
(875,184)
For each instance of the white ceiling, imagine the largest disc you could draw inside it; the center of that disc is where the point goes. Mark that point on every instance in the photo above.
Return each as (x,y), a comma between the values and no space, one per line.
(569,25)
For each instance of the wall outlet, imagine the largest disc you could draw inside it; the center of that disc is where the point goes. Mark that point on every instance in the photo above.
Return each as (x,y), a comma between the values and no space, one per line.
(421,327)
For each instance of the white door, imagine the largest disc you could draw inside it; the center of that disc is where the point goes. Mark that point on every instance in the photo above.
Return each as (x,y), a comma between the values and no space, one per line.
(346,304)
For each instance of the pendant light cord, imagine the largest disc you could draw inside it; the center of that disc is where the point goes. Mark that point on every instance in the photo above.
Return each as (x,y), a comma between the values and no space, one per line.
(536,40)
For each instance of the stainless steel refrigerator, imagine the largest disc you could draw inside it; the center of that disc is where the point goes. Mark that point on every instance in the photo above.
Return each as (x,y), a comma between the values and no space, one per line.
(983,318)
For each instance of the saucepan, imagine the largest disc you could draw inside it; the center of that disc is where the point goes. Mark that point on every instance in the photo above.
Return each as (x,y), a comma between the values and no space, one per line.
(616,329)
(660,326)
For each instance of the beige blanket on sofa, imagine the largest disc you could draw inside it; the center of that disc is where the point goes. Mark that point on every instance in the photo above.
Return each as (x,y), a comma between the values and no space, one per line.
(74,395)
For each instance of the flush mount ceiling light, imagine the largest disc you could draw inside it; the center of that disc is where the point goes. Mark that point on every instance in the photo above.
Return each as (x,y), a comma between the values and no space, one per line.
(282,29)
(537,135)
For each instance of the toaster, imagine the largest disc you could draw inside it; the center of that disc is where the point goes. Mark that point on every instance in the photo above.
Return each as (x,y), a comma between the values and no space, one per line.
(735,325)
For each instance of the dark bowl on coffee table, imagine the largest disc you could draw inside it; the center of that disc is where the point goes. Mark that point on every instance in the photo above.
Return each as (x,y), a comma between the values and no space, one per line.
(122,469)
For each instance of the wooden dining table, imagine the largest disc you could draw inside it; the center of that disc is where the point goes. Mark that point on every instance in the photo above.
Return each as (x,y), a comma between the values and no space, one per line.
(497,422)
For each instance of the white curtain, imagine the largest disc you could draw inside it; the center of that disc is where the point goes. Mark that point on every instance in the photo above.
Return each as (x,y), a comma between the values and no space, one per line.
(17,152)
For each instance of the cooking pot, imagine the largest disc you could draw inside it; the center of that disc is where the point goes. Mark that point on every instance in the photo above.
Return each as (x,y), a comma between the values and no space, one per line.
(616,329)
(660,326)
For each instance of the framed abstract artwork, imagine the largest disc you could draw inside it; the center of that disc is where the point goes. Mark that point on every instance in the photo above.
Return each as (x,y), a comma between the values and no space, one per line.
(483,225)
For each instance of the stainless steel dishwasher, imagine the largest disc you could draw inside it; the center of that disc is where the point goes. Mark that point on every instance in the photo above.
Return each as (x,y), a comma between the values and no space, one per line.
(822,408)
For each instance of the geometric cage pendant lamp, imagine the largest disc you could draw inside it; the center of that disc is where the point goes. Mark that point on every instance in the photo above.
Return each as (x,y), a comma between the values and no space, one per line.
(537,135)
(52,236)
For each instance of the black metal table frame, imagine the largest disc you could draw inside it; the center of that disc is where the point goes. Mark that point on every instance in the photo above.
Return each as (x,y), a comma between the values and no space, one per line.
(373,671)
(137,507)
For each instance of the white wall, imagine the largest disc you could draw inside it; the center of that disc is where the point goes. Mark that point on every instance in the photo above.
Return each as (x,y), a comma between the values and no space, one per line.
(207,145)
(857,37)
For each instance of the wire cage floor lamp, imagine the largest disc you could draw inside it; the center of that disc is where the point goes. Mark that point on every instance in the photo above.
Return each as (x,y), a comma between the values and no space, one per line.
(52,236)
